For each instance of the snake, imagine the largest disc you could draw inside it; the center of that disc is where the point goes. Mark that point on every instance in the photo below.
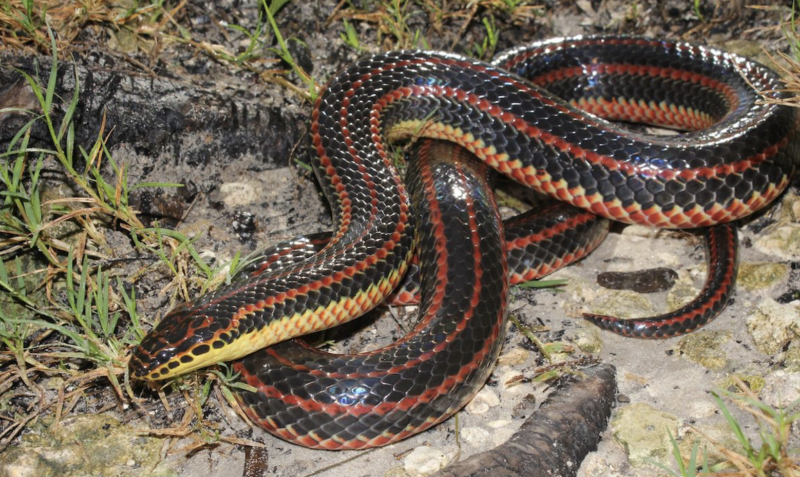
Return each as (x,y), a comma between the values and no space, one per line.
(548,116)
(537,243)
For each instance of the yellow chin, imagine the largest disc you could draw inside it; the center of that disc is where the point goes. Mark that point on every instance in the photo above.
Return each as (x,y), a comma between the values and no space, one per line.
(204,354)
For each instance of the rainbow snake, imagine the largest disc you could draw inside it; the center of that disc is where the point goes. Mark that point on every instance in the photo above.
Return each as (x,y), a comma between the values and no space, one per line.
(539,114)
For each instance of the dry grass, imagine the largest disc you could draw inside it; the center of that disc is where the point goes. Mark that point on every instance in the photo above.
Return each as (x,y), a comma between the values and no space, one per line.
(23,24)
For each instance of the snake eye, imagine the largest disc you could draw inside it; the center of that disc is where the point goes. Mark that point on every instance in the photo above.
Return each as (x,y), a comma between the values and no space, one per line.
(164,356)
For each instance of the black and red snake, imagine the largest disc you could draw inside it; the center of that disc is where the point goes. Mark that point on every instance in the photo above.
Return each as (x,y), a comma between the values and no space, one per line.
(538,114)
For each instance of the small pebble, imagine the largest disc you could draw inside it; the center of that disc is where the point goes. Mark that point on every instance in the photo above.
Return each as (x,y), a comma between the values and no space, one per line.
(772,325)
(705,348)
(641,430)
(516,356)
(475,436)
(499,424)
(244,225)
(484,400)
(523,408)
(236,194)
(424,461)
(781,389)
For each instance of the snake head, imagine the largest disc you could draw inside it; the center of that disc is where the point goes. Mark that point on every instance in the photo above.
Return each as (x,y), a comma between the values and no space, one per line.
(185,340)
(172,348)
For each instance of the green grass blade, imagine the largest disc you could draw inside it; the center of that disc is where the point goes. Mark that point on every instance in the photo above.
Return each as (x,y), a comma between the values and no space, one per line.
(51,82)
(130,307)
(16,110)
(186,243)
(734,425)
(70,144)
(20,279)
(37,90)
(3,273)
(143,185)
(544,283)
(73,104)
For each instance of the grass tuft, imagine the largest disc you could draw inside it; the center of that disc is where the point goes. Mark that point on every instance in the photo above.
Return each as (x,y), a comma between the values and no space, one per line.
(772,456)
(65,310)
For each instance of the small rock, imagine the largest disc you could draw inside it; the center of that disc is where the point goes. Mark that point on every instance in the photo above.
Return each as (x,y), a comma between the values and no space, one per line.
(523,408)
(54,383)
(236,194)
(499,424)
(704,348)
(642,432)
(483,401)
(636,230)
(782,242)
(123,40)
(682,293)
(772,325)
(791,204)
(781,388)
(65,230)
(791,360)
(753,381)
(586,6)
(622,304)
(598,465)
(424,461)
(580,292)
(761,276)
(588,340)
(475,436)
(515,357)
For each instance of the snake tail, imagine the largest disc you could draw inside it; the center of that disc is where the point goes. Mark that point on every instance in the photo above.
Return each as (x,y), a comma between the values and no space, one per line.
(721,243)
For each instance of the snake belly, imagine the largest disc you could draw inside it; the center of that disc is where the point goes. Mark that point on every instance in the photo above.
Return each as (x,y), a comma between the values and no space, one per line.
(739,155)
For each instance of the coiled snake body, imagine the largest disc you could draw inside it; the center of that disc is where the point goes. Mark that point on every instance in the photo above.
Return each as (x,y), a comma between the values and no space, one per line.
(738,155)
